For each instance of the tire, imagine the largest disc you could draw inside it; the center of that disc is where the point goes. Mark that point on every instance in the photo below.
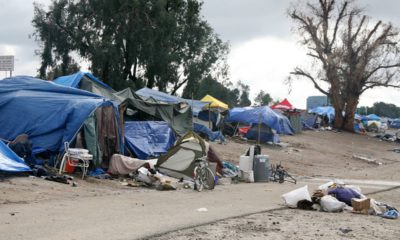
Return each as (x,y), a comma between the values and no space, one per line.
(209,178)
(198,181)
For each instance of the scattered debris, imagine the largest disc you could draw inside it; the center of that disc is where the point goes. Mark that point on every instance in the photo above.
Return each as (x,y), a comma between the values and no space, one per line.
(367,159)
(345,230)
(202,210)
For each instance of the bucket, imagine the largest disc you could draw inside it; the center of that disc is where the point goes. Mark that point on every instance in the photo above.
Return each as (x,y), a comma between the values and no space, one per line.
(68,167)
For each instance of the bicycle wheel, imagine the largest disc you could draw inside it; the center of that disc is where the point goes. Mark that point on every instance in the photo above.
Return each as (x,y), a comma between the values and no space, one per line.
(208,178)
(198,179)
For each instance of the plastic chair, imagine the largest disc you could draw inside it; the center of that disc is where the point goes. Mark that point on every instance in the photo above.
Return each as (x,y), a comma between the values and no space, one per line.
(77,157)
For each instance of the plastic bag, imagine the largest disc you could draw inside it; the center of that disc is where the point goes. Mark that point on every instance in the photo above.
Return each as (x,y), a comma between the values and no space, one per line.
(292,198)
(331,204)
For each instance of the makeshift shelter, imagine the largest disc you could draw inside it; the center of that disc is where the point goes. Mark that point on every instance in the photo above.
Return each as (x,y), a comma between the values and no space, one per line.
(135,109)
(328,112)
(157,96)
(261,115)
(371,117)
(285,105)
(179,117)
(148,138)
(51,114)
(215,103)
(88,82)
(11,162)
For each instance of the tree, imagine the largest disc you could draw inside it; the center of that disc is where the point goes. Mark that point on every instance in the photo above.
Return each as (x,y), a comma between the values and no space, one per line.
(244,100)
(222,91)
(381,109)
(263,98)
(155,43)
(350,53)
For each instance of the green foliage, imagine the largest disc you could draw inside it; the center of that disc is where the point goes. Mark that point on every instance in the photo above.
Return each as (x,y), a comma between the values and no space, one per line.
(154,43)
(381,109)
(244,100)
(263,98)
(233,96)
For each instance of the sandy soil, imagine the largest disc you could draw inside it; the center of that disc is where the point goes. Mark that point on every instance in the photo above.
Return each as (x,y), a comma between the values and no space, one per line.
(311,155)
(298,224)
(327,154)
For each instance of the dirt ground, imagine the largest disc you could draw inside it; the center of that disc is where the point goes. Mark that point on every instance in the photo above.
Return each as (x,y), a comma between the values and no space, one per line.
(294,224)
(327,154)
(310,155)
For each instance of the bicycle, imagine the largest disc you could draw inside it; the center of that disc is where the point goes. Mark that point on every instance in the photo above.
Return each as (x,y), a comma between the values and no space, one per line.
(279,174)
(203,176)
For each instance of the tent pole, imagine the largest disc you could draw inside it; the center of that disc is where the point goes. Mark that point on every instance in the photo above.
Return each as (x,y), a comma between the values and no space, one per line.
(259,128)
(209,116)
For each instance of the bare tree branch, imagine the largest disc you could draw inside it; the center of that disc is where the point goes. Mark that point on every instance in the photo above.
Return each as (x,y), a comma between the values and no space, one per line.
(299,72)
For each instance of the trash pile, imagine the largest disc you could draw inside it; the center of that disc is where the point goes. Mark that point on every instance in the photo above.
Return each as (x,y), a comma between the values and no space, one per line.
(336,196)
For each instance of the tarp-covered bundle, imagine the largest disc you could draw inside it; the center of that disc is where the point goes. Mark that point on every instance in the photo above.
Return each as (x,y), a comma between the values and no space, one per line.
(261,115)
(50,114)
(329,112)
(148,138)
(11,162)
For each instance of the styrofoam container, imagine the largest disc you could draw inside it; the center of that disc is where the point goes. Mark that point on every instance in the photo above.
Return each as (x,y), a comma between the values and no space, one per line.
(245,163)
(292,198)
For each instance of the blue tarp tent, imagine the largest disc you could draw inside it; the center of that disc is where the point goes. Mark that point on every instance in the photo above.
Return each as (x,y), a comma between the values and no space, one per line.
(148,138)
(265,115)
(266,134)
(11,162)
(74,80)
(49,113)
(148,93)
(324,111)
(373,117)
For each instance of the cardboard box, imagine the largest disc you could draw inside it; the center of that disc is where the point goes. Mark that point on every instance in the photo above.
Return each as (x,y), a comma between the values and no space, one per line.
(361,205)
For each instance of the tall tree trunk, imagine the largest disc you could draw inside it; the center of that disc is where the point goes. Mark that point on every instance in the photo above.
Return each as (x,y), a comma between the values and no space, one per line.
(351,107)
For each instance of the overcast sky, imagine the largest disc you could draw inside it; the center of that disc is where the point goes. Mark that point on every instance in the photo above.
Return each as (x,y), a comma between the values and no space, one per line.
(263,48)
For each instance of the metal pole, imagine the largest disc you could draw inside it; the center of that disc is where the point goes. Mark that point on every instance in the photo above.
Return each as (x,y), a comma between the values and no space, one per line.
(259,128)
(209,116)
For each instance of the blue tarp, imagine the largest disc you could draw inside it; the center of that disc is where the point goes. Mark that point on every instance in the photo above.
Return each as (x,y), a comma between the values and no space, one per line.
(49,113)
(75,79)
(373,117)
(148,138)
(324,111)
(147,93)
(265,115)
(212,136)
(265,134)
(11,162)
